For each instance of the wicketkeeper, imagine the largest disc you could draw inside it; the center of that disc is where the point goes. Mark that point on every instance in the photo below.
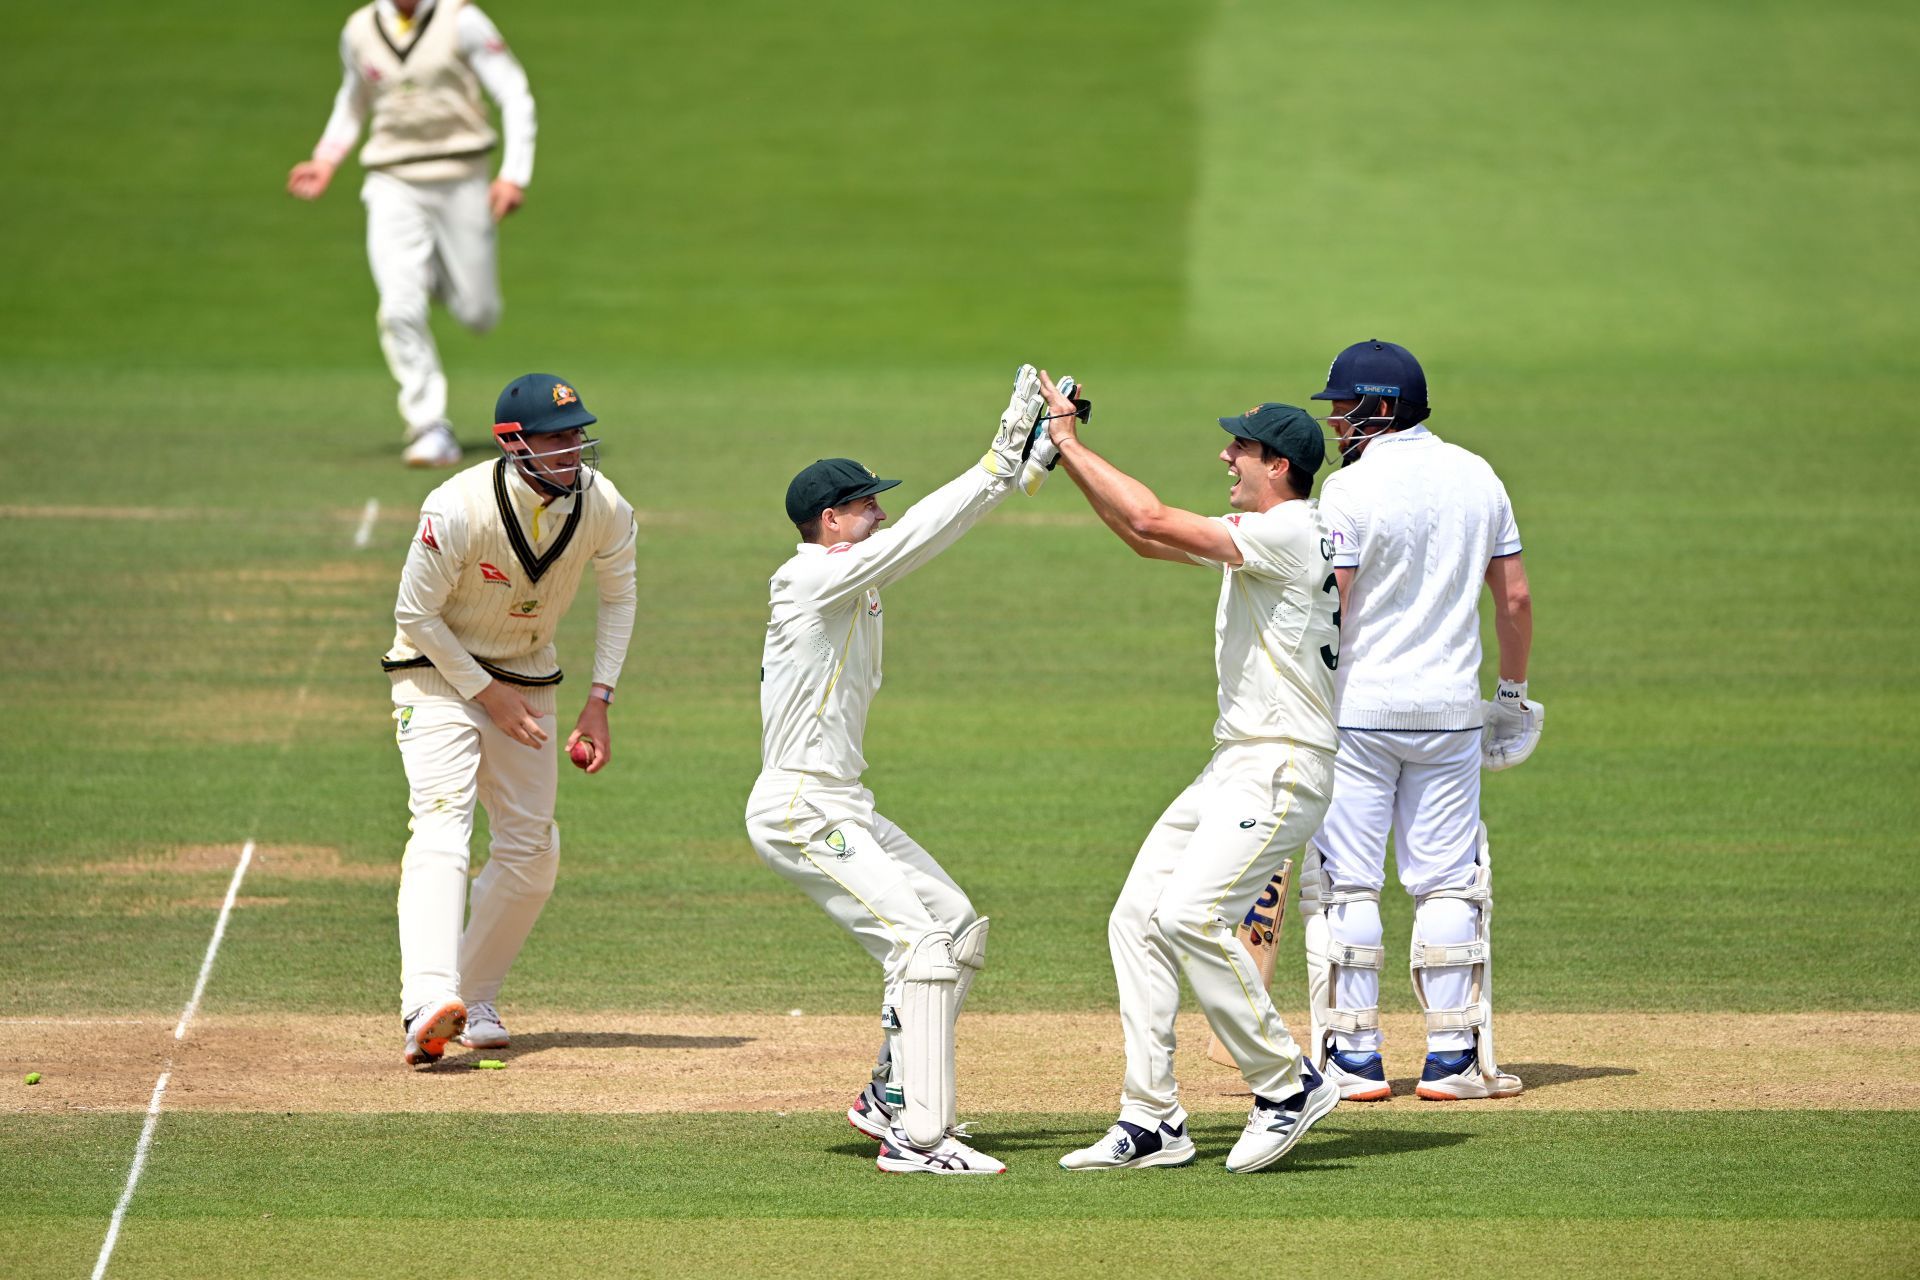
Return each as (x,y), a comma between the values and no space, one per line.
(812,820)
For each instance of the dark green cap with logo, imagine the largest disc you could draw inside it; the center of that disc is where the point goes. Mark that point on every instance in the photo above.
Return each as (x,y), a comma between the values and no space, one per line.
(1288,430)
(830,482)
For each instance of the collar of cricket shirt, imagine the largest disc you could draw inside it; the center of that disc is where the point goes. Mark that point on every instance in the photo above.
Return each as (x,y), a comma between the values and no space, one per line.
(513,496)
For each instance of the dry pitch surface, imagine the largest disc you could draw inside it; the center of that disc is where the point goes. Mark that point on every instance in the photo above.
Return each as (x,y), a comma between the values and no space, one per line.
(562,1063)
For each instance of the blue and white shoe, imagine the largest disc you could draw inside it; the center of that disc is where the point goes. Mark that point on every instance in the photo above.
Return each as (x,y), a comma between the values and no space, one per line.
(1362,1077)
(1273,1127)
(1129,1146)
(899,1155)
(1453,1077)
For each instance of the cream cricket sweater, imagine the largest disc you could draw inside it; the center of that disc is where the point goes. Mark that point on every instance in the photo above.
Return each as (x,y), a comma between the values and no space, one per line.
(490,573)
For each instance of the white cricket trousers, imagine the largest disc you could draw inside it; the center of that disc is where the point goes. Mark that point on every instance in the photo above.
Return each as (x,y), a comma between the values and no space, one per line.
(455,756)
(873,878)
(1200,868)
(428,240)
(1424,789)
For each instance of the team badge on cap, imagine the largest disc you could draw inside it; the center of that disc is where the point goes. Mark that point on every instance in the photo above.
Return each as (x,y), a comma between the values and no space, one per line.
(564,394)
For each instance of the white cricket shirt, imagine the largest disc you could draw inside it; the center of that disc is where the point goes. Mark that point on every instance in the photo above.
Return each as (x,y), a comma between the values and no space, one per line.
(1418,520)
(1276,634)
(820,667)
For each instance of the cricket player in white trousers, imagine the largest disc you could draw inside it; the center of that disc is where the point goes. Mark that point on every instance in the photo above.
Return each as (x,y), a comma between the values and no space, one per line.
(1418,525)
(1276,638)
(812,821)
(418,66)
(495,564)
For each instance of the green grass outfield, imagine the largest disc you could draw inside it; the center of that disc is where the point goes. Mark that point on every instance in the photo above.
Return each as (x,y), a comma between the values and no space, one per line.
(1658,260)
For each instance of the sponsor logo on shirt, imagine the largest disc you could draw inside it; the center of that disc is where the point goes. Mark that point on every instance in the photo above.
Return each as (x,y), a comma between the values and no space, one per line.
(873,604)
(489,573)
(1233,519)
(1247,824)
(404,716)
(837,841)
(427,539)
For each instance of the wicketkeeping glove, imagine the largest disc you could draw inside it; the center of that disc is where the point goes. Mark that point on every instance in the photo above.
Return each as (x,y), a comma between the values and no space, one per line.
(1009,448)
(1512,727)
(1042,456)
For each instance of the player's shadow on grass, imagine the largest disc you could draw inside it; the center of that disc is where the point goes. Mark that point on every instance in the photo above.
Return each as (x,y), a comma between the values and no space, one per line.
(524,1044)
(1545,1075)
(1327,1144)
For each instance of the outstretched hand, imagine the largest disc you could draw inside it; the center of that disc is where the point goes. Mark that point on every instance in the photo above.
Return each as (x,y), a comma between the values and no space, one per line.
(1061,423)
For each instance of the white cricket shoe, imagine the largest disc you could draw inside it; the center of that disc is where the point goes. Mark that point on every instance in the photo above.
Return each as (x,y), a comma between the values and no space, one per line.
(433,447)
(1457,1076)
(1273,1129)
(429,1029)
(1129,1146)
(899,1155)
(484,1028)
(870,1113)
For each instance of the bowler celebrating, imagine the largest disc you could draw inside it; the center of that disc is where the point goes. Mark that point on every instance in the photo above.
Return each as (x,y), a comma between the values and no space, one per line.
(1276,638)
(813,822)
(418,67)
(496,562)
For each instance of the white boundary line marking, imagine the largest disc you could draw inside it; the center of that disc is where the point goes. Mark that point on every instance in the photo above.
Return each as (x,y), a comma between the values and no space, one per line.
(360,538)
(145,1144)
(133,1175)
(364,534)
(213,947)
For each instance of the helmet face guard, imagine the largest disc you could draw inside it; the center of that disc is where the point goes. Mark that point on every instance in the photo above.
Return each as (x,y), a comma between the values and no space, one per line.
(524,449)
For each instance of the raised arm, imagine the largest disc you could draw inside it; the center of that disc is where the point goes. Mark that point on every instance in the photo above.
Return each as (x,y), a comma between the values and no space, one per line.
(1126,506)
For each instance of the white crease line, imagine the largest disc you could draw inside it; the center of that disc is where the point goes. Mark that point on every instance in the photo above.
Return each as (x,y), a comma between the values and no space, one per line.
(219,932)
(166,1073)
(133,1175)
(75,1022)
(364,534)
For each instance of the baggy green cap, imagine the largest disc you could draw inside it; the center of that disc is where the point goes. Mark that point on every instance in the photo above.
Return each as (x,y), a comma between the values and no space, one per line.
(829,483)
(1288,430)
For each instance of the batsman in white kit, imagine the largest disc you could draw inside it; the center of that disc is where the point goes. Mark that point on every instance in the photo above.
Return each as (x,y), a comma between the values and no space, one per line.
(493,567)
(1261,794)
(418,67)
(1418,525)
(812,820)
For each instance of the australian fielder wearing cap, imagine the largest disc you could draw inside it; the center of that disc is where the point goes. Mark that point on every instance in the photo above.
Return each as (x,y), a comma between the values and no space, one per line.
(417,67)
(496,562)
(1276,637)
(1418,525)
(814,823)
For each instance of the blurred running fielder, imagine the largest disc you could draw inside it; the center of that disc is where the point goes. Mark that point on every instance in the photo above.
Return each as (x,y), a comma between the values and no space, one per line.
(418,67)
(1418,525)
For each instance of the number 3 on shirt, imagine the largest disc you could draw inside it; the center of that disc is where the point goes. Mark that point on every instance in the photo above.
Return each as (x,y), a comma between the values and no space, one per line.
(1329,654)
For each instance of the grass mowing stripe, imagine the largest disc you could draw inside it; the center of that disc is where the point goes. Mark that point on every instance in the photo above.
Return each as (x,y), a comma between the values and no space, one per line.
(1202,1249)
(1599,1165)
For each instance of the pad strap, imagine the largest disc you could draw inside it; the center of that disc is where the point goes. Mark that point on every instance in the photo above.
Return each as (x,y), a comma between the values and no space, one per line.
(1353,1021)
(1456,1019)
(1349,955)
(1429,955)
(1340,897)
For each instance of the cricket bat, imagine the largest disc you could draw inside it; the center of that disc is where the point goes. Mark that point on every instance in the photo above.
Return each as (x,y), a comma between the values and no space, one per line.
(1259,933)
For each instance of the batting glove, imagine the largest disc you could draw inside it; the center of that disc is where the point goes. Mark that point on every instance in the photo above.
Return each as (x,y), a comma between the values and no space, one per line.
(1042,456)
(1009,447)
(1512,727)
